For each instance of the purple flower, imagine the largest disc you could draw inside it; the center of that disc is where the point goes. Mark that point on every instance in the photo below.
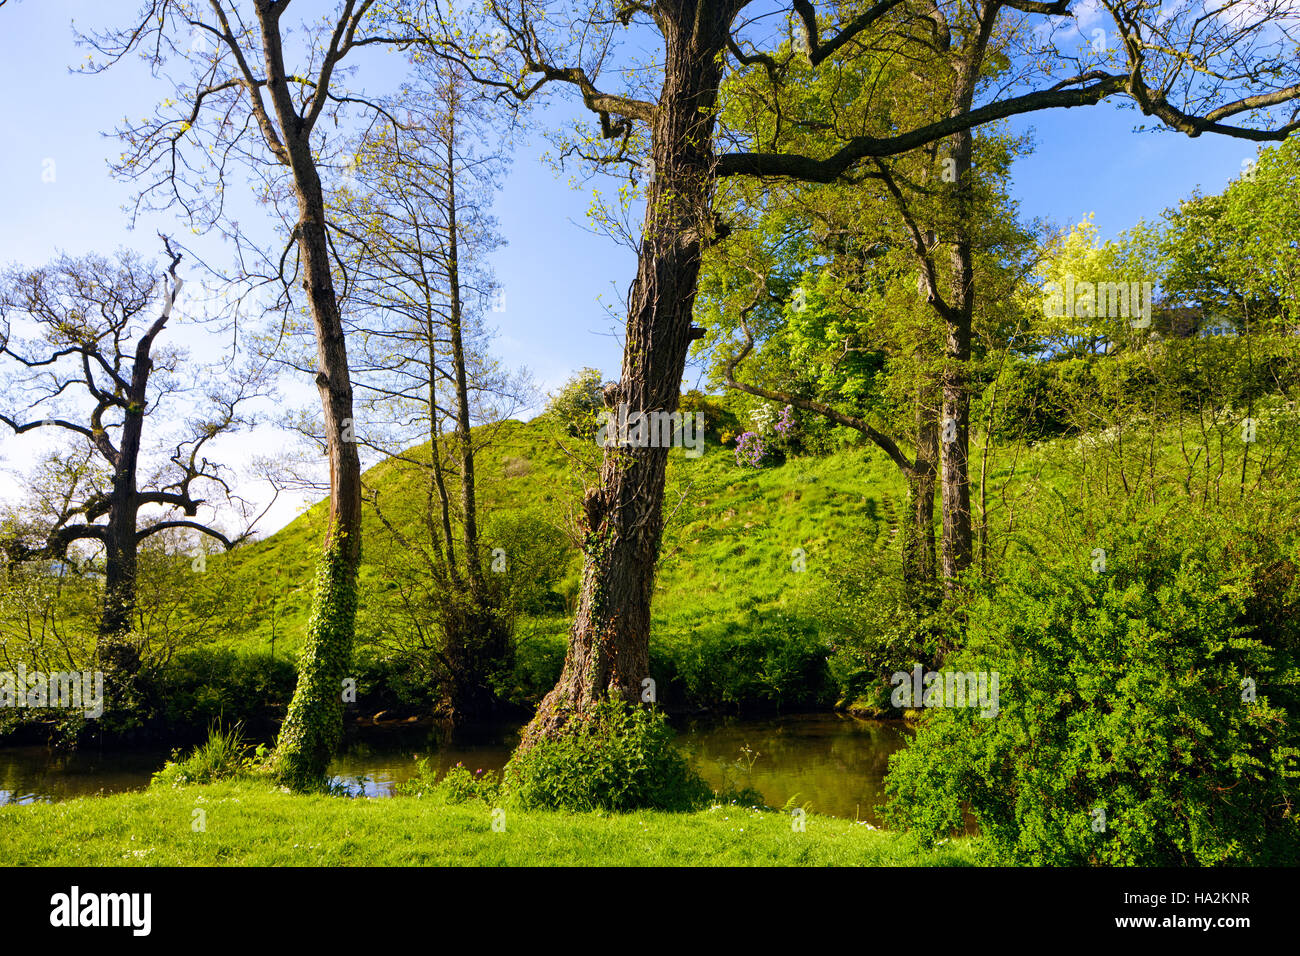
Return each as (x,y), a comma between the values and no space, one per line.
(785,423)
(750,450)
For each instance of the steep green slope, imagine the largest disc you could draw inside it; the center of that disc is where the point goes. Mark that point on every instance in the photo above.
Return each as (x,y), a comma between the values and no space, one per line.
(729,545)
(741,606)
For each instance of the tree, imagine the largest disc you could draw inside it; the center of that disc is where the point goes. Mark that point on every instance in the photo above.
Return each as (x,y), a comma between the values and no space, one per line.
(1170,67)
(244,100)
(78,374)
(858,314)
(415,237)
(1232,257)
(576,406)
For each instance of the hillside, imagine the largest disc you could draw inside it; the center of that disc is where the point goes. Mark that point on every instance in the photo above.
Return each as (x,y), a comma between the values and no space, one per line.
(735,623)
(728,541)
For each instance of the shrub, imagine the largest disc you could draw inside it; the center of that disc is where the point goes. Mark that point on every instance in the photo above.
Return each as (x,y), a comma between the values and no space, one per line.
(1122,692)
(577,406)
(750,450)
(617,756)
(876,622)
(539,660)
(404,680)
(718,417)
(206,685)
(457,785)
(533,556)
(767,661)
(225,755)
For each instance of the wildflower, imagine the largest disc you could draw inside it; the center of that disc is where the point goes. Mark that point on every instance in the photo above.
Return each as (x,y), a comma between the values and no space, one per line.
(785,423)
(750,450)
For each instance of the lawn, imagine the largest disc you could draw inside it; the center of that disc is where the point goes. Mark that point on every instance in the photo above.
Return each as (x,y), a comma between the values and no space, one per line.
(249,823)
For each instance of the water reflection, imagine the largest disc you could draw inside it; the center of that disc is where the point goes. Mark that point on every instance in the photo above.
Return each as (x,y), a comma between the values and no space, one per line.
(831,763)
(29,774)
(828,763)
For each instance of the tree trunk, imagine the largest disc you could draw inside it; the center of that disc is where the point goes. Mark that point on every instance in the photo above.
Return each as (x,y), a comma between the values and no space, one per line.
(464,446)
(919,542)
(956,394)
(115,652)
(314,723)
(610,637)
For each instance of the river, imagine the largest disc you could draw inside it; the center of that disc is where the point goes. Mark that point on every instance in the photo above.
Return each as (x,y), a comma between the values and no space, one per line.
(830,763)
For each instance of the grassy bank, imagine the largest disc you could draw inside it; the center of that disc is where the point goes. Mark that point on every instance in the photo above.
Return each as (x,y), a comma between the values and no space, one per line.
(251,824)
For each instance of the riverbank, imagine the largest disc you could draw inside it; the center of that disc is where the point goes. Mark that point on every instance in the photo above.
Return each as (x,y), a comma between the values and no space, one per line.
(248,823)
(829,763)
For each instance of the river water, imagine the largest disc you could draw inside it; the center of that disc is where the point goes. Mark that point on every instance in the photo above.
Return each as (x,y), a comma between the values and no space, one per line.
(830,763)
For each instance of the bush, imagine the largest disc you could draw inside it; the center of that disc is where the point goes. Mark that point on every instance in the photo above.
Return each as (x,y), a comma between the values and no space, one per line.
(1124,692)
(400,681)
(225,755)
(876,623)
(1026,400)
(457,785)
(718,417)
(206,685)
(765,662)
(539,660)
(576,408)
(617,756)
(533,556)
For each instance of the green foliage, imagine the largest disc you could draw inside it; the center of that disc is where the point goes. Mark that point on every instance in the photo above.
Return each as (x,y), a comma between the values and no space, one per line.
(763,662)
(1024,402)
(1125,692)
(207,684)
(822,279)
(576,407)
(747,797)
(224,756)
(719,417)
(874,627)
(1233,256)
(1033,400)
(458,785)
(539,659)
(527,555)
(616,756)
(314,722)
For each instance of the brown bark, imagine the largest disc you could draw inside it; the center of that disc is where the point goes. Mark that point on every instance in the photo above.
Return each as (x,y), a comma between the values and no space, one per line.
(609,640)
(314,723)
(957,544)
(919,543)
(464,441)
(956,396)
(333,380)
(114,650)
(478,641)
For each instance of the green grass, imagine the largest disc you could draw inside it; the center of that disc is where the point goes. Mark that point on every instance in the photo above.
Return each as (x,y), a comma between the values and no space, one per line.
(249,823)
(728,537)
(730,530)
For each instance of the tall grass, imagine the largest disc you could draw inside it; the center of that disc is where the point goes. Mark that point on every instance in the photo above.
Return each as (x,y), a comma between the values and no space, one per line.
(226,755)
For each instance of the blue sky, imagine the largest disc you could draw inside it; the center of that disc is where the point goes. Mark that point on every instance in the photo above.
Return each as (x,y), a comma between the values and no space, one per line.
(554,270)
